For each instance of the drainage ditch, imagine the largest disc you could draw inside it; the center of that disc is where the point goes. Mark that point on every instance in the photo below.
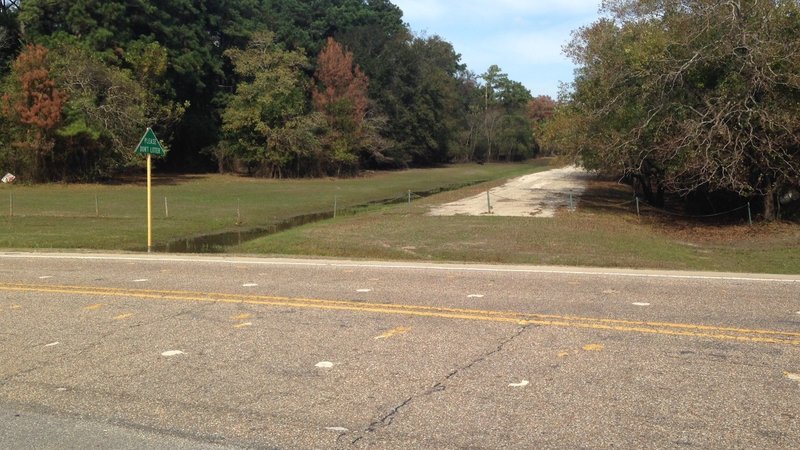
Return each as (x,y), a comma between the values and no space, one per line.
(220,242)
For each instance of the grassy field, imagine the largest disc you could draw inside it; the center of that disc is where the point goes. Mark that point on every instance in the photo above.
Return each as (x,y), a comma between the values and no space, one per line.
(113,217)
(604,231)
(598,234)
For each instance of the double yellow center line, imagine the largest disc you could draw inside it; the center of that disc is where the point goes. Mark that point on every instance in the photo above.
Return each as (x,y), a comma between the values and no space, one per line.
(520,318)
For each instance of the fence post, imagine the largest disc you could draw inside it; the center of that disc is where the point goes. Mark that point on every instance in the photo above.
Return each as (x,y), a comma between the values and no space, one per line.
(166,207)
(749,215)
(238,211)
(96,206)
(335,199)
(488,203)
(10,204)
(638,214)
(571,207)
(409,196)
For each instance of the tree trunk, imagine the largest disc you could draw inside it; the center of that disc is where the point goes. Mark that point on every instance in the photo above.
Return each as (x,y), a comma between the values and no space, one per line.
(659,199)
(769,204)
(644,184)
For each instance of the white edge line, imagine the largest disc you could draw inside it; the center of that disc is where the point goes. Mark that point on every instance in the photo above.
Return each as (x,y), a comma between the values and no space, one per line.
(379,265)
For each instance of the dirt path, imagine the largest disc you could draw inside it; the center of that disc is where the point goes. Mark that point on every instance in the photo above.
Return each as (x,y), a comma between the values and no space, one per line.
(535,195)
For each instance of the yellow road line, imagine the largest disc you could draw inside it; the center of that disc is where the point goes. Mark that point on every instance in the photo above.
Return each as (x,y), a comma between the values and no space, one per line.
(629,326)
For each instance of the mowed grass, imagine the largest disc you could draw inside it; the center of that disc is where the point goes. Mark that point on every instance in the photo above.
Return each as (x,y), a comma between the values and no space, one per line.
(600,234)
(113,217)
(604,231)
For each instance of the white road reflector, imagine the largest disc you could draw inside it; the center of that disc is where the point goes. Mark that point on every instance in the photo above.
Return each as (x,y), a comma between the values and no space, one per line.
(324,365)
(522,383)
(342,429)
(172,353)
(475,296)
(640,304)
(52,344)
(250,285)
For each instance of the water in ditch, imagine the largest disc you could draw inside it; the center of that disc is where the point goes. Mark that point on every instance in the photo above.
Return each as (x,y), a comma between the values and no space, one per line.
(221,242)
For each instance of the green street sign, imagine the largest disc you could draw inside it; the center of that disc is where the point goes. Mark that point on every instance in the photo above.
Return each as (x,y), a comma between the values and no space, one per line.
(149,144)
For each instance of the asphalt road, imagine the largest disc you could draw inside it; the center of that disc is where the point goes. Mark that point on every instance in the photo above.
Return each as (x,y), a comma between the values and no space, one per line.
(159,351)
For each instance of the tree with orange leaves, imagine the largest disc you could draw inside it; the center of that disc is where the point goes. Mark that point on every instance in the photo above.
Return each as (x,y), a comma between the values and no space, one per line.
(341,96)
(34,108)
(342,92)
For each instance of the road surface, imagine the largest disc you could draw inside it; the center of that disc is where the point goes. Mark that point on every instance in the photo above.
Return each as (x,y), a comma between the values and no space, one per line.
(161,351)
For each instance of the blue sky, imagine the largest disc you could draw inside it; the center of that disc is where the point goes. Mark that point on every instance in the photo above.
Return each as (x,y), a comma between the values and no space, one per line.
(523,37)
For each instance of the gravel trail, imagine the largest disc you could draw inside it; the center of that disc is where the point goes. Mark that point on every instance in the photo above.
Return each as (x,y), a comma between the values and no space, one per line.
(535,195)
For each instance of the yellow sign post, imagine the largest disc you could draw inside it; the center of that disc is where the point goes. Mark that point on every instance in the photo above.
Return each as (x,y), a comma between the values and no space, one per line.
(149,146)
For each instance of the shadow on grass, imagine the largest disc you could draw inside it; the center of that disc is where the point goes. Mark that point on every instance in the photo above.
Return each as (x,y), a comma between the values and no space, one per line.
(607,196)
(157,180)
(610,196)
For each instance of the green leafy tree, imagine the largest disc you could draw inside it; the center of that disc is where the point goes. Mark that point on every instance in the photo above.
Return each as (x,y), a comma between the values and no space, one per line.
(414,82)
(107,112)
(504,101)
(515,138)
(265,120)
(9,33)
(306,24)
(421,110)
(80,116)
(687,97)
(194,35)
(437,104)
(469,116)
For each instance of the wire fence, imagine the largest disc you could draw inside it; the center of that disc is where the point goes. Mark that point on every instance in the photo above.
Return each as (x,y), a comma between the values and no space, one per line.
(95,206)
(109,206)
(641,204)
(571,199)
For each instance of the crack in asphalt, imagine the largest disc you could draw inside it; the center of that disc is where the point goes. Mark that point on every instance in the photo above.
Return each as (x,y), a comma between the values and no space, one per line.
(440,386)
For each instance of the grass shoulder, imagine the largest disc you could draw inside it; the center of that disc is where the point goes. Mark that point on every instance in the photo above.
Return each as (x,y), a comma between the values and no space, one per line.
(599,236)
(113,216)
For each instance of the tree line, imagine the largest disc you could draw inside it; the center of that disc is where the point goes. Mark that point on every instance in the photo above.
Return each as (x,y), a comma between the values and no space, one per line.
(694,99)
(275,88)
